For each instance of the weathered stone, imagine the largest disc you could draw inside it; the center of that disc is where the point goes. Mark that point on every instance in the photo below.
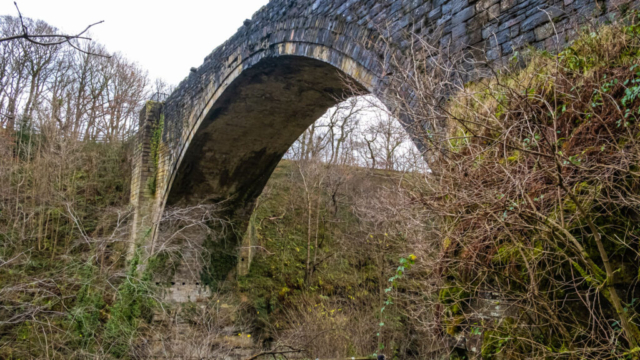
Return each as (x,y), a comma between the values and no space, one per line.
(445,41)
(507,48)
(437,3)
(401,23)
(494,11)
(459,43)
(507,4)
(421,10)
(503,36)
(464,15)
(489,31)
(453,7)
(493,54)
(515,31)
(478,21)
(482,5)
(443,20)
(458,31)
(511,22)
(540,17)
(544,31)
(475,36)
(522,40)
(434,14)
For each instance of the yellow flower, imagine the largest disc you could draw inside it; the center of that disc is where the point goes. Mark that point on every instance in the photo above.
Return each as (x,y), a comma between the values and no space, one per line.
(240,334)
(412,257)
(248,335)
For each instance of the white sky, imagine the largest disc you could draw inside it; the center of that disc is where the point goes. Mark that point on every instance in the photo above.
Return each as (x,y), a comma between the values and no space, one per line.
(166,37)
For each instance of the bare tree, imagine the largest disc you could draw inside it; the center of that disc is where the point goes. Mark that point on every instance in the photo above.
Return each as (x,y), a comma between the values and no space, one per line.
(85,96)
(48,38)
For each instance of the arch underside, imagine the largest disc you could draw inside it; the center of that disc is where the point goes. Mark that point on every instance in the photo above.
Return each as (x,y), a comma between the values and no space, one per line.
(250,127)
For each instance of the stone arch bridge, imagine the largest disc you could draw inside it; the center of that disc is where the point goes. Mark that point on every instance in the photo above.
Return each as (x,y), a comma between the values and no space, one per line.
(220,134)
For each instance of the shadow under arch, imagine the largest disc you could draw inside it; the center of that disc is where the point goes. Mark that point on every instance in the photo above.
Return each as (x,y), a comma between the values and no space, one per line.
(242,138)
(250,127)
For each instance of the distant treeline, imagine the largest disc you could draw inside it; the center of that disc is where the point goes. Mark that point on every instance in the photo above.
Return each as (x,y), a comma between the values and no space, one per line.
(78,88)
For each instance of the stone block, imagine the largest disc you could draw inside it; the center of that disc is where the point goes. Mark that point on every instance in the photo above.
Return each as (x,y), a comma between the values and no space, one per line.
(494,11)
(489,31)
(503,36)
(478,21)
(445,41)
(458,31)
(421,10)
(539,45)
(443,19)
(482,5)
(523,39)
(544,31)
(475,36)
(511,22)
(507,4)
(540,17)
(507,48)
(464,15)
(493,54)
(401,23)
(434,14)
(492,41)
(395,6)
(459,43)
(438,3)
(454,6)
(515,31)
(554,43)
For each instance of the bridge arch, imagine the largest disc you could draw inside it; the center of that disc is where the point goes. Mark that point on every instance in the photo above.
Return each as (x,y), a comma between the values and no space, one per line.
(252,122)
(273,96)
(189,145)
(229,123)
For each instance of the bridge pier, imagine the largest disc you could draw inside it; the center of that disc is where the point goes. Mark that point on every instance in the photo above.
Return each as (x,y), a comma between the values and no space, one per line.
(150,165)
(146,178)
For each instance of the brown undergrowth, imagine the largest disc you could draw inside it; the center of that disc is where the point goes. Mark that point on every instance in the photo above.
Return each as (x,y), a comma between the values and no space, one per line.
(536,194)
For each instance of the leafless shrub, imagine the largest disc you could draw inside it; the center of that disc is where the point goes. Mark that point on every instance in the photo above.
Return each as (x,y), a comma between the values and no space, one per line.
(532,195)
(205,330)
(327,329)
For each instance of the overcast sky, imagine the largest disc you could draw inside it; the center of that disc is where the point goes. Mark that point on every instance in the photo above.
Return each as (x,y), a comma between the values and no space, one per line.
(166,37)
